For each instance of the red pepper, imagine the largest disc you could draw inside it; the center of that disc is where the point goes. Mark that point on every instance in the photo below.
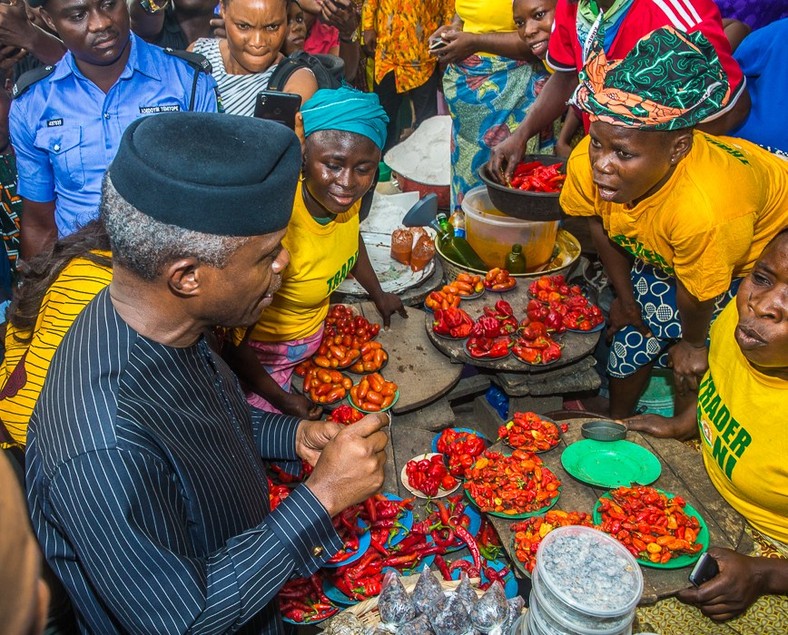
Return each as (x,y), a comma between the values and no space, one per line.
(443,567)
(469,540)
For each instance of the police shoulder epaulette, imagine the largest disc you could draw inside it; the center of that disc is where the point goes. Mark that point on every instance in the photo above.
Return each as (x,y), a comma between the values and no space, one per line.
(26,80)
(195,60)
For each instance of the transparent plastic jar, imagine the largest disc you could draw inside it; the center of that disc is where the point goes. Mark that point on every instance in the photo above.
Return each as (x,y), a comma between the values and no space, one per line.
(587,581)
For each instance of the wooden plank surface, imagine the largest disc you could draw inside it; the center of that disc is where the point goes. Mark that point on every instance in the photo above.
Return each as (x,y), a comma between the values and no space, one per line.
(683,473)
(422,373)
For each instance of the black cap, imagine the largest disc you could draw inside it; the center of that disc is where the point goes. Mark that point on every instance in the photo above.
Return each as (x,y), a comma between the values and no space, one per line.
(209,172)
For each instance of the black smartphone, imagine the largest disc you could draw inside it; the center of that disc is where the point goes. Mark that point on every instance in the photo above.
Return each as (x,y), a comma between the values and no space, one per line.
(704,570)
(276,106)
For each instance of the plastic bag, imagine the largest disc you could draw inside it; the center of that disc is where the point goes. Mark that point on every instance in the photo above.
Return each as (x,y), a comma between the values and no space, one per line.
(516,606)
(419,626)
(466,593)
(401,245)
(450,617)
(394,605)
(345,624)
(423,252)
(428,591)
(491,610)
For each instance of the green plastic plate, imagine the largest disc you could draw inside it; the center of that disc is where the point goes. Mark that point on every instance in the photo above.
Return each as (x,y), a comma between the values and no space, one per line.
(674,563)
(610,463)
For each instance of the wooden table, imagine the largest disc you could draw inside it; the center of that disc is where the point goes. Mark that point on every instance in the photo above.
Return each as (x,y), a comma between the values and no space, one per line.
(682,473)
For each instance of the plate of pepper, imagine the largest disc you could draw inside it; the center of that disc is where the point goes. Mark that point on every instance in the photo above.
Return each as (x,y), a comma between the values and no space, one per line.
(390,518)
(535,346)
(516,486)
(528,534)
(427,476)
(356,582)
(302,601)
(530,432)
(488,348)
(453,524)
(451,323)
(355,538)
(460,446)
(499,280)
(660,529)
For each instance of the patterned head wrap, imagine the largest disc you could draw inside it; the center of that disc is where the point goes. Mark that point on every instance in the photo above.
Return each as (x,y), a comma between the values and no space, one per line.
(669,80)
(346,109)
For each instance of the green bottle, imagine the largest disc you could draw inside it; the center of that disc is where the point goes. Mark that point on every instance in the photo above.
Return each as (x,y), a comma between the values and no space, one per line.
(515,259)
(456,248)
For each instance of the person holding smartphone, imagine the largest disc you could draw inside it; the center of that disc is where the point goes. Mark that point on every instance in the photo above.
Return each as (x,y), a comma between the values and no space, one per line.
(740,419)
(243,62)
(345,131)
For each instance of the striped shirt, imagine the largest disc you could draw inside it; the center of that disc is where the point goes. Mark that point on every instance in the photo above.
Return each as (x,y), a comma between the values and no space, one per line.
(147,491)
(238,92)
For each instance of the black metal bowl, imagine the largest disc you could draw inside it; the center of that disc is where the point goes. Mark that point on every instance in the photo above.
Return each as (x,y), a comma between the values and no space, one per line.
(535,206)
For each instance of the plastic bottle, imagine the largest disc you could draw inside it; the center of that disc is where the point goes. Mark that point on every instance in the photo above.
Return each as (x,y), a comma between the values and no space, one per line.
(457,221)
(456,248)
(515,259)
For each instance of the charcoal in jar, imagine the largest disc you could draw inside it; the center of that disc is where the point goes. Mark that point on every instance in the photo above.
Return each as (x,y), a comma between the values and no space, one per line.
(465,592)
(452,618)
(491,610)
(419,626)
(428,590)
(394,605)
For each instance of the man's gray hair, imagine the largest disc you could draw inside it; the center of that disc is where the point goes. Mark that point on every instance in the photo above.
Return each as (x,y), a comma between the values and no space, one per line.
(145,246)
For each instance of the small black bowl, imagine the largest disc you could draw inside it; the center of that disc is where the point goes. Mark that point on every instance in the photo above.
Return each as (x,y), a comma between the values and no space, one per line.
(534,206)
(603,430)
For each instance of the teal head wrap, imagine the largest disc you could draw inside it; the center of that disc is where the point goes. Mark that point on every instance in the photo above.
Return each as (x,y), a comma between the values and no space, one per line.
(346,109)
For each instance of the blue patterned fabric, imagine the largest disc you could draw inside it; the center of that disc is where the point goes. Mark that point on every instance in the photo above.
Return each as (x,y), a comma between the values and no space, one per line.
(488,96)
(148,493)
(655,293)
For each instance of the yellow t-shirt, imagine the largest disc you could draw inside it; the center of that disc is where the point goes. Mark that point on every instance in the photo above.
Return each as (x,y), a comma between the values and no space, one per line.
(741,416)
(492,16)
(25,366)
(321,256)
(708,224)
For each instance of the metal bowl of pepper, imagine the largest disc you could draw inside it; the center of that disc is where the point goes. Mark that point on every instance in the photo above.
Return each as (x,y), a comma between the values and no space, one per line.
(540,203)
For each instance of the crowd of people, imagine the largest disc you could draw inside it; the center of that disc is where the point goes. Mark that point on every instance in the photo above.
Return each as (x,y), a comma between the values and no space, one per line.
(169,260)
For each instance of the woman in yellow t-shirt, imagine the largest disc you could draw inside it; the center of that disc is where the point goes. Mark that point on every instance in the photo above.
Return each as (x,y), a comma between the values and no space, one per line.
(345,130)
(55,288)
(677,216)
(741,421)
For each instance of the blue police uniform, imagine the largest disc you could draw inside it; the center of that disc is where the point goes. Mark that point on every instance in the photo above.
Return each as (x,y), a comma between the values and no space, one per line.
(66,130)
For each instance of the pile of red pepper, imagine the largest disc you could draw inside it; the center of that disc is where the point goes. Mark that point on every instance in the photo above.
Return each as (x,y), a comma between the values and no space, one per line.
(382,516)
(345,414)
(349,529)
(460,449)
(528,534)
(534,345)
(276,494)
(528,431)
(499,280)
(429,475)
(534,176)
(555,302)
(650,525)
(452,322)
(354,329)
(495,321)
(488,540)
(302,600)
(448,524)
(511,485)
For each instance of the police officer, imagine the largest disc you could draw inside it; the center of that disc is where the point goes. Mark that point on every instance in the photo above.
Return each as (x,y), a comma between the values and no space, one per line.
(67,119)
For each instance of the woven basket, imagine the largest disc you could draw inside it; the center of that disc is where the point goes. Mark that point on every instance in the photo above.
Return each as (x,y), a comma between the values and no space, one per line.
(367,611)
(569,252)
